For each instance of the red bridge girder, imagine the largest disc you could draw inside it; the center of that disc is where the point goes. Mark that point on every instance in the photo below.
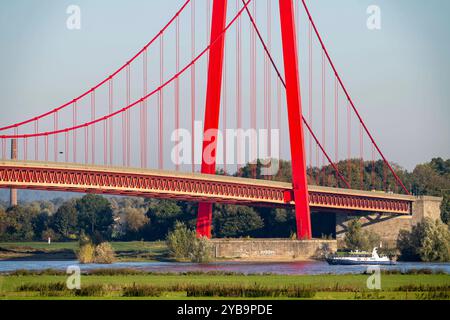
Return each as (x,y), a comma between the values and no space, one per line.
(190,187)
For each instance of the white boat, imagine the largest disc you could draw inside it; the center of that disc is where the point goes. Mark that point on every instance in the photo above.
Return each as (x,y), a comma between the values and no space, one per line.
(359,258)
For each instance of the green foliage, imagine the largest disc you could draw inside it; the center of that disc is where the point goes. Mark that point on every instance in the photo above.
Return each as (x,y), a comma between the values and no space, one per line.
(180,241)
(428,241)
(92,290)
(358,239)
(284,173)
(142,291)
(162,215)
(433,179)
(236,221)
(3,223)
(201,250)
(249,291)
(41,225)
(18,224)
(65,220)
(184,244)
(95,217)
(49,233)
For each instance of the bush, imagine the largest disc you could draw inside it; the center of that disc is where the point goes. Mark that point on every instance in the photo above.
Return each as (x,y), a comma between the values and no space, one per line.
(428,241)
(248,291)
(104,253)
(184,244)
(201,251)
(358,239)
(180,241)
(141,291)
(42,287)
(86,253)
(89,253)
(93,290)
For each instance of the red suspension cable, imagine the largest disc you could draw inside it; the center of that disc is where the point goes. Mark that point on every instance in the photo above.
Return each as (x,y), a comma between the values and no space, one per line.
(93,127)
(280,77)
(193,86)
(132,105)
(156,37)
(177,90)
(238,86)
(397,179)
(161,105)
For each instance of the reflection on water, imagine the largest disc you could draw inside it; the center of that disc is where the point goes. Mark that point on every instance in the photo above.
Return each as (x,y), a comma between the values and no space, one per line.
(291,268)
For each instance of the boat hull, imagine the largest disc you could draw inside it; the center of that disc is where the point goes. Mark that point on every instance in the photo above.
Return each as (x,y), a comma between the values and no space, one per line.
(358,262)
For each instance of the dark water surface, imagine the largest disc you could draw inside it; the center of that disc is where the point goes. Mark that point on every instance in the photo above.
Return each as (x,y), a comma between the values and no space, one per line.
(289,268)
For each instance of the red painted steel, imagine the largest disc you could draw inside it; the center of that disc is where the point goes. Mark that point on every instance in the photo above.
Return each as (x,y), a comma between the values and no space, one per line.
(190,187)
(308,125)
(397,179)
(107,79)
(291,67)
(212,108)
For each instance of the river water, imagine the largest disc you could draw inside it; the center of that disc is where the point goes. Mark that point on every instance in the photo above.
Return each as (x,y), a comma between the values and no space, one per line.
(288,268)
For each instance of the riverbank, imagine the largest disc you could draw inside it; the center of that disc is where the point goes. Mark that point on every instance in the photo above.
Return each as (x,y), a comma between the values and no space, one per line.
(66,251)
(249,250)
(222,286)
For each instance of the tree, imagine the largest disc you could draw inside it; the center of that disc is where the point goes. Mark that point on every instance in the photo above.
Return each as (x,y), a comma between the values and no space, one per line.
(3,223)
(133,221)
(236,221)
(65,220)
(162,215)
(283,174)
(427,241)
(19,224)
(278,223)
(95,217)
(358,239)
(434,179)
(41,224)
(445,208)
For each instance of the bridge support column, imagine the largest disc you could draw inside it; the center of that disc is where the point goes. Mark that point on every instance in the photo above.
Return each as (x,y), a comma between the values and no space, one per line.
(426,207)
(212,109)
(13,192)
(294,105)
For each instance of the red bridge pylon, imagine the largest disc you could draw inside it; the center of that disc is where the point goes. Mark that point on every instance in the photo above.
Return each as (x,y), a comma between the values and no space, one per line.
(293,96)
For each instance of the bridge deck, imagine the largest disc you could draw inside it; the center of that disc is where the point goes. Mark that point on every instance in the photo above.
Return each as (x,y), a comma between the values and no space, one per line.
(189,187)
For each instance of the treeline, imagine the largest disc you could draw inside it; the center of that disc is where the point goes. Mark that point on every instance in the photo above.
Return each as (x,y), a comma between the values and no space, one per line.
(120,218)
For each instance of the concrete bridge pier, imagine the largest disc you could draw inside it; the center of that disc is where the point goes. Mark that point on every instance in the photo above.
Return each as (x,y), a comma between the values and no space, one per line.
(426,207)
(388,226)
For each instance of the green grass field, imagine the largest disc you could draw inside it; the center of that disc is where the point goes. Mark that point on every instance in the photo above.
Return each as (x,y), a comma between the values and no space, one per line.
(324,286)
(177,286)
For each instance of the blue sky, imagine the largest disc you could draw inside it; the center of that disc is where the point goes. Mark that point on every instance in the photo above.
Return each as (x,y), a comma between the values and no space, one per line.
(398,76)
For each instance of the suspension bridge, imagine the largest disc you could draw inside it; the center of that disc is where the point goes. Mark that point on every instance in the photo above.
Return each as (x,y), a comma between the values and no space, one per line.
(233,65)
